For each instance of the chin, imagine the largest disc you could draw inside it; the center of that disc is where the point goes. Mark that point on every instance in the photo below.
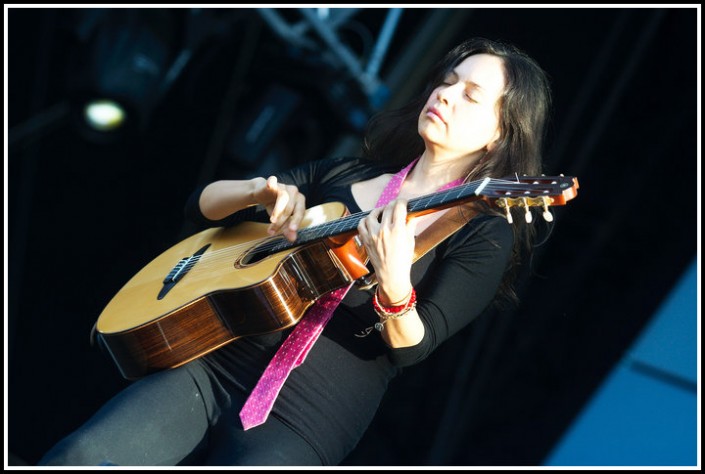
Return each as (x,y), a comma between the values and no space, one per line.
(425,127)
(428,135)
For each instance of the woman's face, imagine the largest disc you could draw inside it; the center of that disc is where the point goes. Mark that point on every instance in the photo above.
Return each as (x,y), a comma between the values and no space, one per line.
(462,114)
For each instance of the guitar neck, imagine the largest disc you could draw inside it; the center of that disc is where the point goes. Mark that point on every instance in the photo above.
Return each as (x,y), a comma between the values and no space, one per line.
(416,206)
(518,191)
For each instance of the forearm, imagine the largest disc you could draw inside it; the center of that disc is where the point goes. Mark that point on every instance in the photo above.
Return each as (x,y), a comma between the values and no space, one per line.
(406,331)
(223,198)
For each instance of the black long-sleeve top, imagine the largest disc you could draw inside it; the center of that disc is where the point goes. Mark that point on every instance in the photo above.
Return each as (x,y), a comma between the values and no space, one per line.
(332,397)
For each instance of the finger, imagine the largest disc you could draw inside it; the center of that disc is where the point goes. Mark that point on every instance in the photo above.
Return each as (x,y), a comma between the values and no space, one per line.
(279,206)
(363,231)
(272,184)
(375,215)
(289,234)
(268,195)
(399,212)
(288,211)
(298,212)
(361,228)
(387,214)
(372,224)
(286,220)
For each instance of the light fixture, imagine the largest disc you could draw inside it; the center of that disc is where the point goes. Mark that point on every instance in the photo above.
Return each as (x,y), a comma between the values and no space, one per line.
(104,115)
(118,76)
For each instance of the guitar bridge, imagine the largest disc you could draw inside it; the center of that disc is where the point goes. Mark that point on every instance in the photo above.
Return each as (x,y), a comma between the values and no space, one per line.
(179,271)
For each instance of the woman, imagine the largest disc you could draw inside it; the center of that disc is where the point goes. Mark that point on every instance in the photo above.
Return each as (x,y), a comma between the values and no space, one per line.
(483,115)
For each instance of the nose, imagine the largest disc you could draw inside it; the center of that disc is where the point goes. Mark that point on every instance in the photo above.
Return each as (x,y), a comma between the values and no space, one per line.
(445,93)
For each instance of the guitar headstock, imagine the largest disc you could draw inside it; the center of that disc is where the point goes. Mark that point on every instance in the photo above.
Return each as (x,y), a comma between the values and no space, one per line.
(530,191)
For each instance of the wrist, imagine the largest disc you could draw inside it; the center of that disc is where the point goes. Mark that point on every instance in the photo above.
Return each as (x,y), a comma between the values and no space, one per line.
(386,313)
(393,311)
(256,184)
(394,297)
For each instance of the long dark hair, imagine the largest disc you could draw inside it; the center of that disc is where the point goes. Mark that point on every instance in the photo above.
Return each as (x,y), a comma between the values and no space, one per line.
(525,107)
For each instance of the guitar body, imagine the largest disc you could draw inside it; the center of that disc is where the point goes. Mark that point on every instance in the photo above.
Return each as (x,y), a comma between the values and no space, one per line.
(228,292)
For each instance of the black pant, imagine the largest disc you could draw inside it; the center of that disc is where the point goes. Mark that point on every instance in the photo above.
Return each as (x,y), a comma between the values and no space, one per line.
(179,417)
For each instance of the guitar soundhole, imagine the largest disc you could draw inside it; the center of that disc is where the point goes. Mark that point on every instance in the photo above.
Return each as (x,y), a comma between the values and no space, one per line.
(261,251)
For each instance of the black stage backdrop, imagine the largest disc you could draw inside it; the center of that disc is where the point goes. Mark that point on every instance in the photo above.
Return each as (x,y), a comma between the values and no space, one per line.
(85,212)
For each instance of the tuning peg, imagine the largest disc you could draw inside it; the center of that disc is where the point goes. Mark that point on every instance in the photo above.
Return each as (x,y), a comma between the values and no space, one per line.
(527,214)
(505,204)
(547,216)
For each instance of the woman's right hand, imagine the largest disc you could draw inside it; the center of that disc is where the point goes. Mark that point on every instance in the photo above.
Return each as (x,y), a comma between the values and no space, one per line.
(284,204)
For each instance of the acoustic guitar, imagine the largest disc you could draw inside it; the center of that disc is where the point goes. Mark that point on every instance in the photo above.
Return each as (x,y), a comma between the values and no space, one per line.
(225,283)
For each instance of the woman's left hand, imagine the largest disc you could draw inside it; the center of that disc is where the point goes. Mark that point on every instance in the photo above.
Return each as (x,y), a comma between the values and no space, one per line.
(389,240)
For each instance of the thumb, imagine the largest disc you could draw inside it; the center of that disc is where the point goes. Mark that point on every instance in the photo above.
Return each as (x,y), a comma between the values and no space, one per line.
(272,183)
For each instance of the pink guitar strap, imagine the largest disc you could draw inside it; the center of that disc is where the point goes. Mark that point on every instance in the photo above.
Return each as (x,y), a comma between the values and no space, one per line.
(295,348)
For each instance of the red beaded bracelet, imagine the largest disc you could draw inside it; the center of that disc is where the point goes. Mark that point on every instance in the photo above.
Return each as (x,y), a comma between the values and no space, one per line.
(387,312)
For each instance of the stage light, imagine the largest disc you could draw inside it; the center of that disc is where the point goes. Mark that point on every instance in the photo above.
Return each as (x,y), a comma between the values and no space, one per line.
(119,75)
(104,115)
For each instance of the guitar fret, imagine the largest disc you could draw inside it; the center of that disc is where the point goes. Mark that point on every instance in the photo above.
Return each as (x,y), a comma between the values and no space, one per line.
(453,194)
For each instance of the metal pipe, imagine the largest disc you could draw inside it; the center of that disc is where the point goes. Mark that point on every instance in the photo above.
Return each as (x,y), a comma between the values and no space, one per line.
(390,24)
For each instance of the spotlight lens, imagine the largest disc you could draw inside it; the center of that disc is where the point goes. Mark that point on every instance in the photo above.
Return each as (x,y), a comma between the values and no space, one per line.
(104,115)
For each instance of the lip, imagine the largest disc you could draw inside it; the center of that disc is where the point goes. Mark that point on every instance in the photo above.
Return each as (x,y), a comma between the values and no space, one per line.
(434,112)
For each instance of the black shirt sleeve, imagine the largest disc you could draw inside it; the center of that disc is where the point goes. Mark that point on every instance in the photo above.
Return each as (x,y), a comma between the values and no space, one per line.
(459,284)
(317,180)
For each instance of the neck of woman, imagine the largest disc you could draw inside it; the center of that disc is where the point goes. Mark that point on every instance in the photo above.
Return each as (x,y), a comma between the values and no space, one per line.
(433,171)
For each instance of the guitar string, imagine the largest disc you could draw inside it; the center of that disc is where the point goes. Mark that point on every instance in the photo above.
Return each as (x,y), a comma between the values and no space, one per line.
(234,251)
(203,271)
(276,241)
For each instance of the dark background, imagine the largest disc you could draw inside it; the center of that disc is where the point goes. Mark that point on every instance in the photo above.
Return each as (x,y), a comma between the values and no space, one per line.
(86,212)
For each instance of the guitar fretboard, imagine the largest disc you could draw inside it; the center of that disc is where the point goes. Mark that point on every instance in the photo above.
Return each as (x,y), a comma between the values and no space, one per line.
(349,223)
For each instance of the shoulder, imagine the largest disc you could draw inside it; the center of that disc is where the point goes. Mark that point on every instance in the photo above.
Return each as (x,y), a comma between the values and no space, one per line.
(339,170)
(484,233)
(353,165)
